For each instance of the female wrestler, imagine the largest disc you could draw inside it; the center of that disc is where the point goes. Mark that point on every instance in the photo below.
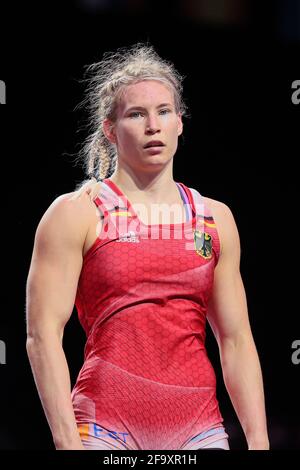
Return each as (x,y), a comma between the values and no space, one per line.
(146,261)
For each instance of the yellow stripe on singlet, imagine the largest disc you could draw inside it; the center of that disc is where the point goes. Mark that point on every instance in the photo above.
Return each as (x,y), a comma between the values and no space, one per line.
(209,225)
(125,214)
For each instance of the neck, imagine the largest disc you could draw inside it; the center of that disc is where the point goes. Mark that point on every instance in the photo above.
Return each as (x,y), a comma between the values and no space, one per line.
(158,188)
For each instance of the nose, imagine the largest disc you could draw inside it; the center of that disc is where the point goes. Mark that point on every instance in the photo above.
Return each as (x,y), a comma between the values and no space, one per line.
(152,125)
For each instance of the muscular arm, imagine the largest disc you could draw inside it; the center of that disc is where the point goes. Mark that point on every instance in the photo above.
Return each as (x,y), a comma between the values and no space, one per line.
(50,295)
(228,317)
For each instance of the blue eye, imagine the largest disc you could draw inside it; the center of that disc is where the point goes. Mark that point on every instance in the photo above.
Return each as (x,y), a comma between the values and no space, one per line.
(135,114)
(164,111)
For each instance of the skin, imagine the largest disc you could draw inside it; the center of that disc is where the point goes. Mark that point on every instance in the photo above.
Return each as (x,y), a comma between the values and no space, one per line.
(68,229)
(146,112)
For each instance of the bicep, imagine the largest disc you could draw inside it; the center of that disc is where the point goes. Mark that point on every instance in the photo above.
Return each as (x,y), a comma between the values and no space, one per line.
(54,272)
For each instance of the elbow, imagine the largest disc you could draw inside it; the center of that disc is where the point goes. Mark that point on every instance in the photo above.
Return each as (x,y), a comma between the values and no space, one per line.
(235,347)
(39,349)
(34,345)
(38,339)
(235,340)
(33,349)
(32,342)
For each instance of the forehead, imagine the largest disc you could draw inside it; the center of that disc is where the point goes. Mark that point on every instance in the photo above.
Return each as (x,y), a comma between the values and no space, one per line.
(146,93)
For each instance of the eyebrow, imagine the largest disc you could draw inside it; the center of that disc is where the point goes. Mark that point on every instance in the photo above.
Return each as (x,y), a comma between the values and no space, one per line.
(142,108)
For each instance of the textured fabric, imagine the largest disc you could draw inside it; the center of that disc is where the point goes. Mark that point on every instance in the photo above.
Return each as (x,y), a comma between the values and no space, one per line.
(142,299)
(95,437)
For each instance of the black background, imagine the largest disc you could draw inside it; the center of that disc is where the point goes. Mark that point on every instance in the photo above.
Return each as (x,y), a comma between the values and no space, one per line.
(240,146)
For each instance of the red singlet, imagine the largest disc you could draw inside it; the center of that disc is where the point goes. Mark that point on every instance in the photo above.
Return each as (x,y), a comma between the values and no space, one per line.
(142,300)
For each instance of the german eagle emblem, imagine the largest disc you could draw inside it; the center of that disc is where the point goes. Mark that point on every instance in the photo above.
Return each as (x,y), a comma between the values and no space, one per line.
(203,244)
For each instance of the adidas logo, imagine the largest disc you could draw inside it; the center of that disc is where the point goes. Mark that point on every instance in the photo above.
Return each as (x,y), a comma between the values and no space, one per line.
(129,237)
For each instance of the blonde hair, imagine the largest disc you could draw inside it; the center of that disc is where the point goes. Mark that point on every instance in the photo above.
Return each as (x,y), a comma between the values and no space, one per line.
(107,79)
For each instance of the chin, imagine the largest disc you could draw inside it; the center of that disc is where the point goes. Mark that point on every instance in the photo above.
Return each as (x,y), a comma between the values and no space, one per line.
(153,166)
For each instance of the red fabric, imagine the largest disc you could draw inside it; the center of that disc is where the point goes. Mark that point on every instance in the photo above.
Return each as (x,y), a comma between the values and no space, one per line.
(142,300)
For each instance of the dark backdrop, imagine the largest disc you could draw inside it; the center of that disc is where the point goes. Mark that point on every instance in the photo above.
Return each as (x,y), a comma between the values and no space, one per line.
(240,146)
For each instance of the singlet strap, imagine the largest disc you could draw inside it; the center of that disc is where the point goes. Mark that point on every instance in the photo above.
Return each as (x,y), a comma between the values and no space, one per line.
(111,202)
(202,209)
(186,201)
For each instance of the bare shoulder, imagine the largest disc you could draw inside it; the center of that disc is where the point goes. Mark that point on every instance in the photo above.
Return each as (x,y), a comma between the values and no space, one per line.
(220,210)
(66,205)
(67,217)
(72,202)
(224,220)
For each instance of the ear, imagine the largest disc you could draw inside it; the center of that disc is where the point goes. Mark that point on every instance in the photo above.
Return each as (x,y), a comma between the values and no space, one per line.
(108,129)
(179,124)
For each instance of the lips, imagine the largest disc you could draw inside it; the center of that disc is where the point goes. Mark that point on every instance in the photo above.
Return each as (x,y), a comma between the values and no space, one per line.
(154,143)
